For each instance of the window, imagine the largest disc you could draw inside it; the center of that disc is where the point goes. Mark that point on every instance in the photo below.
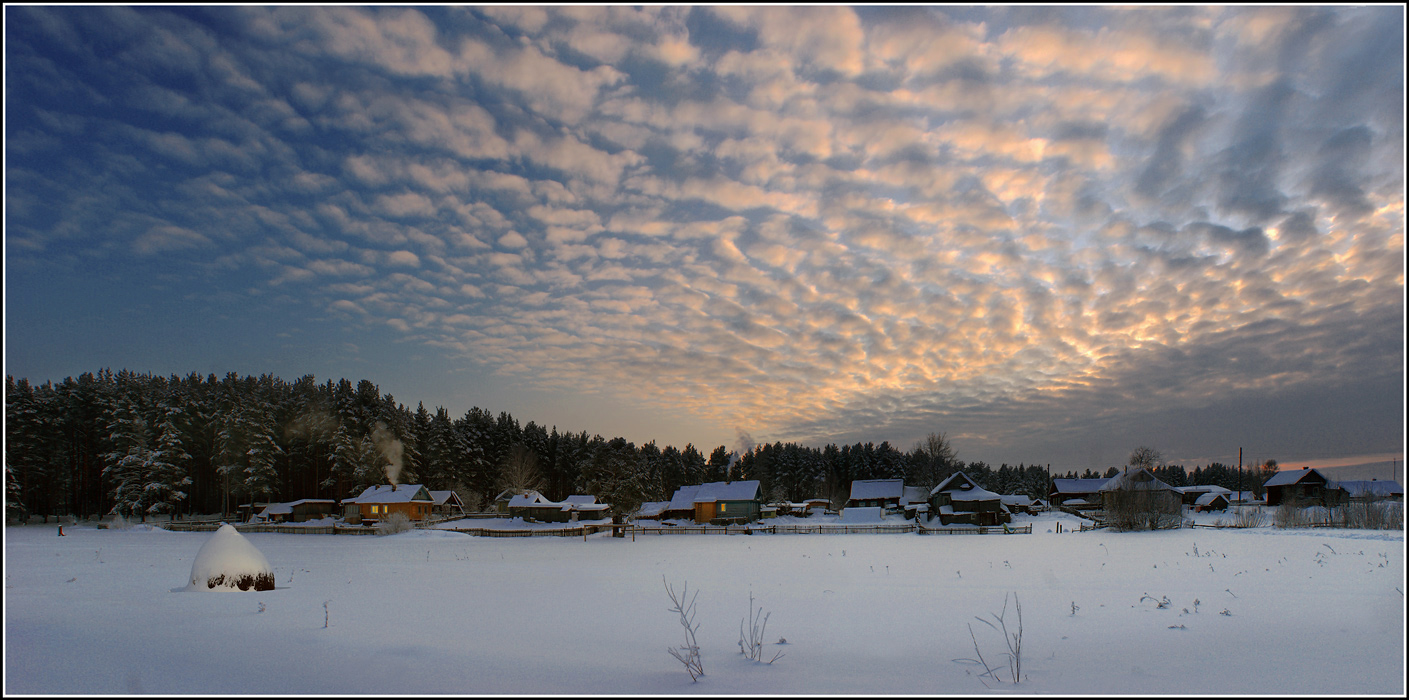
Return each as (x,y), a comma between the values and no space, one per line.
(722,507)
(374,510)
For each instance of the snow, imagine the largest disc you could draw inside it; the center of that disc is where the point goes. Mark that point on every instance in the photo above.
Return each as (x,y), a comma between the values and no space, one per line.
(1315,611)
(227,561)
(727,491)
(859,514)
(386,493)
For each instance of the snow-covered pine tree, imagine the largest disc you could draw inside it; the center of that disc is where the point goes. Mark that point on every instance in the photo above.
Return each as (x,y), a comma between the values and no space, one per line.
(166,466)
(127,462)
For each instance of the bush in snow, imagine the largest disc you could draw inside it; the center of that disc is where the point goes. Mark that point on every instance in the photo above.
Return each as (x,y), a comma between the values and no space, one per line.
(689,652)
(1013,640)
(751,644)
(394,523)
(228,562)
(119,523)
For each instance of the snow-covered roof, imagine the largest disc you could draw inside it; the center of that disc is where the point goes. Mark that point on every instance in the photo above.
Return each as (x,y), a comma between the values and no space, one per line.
(1291,476)
(862,514)
(1242,496)
(404,493)
(1078,485)
(580,499)
(1018,500)
(727,491)
(915,494)
(867,489)
(1141,478)
(1209,498)
(961,488)
(1372,488)
(532,498)
(441,497)
(651,509)
(684,498)
(278,509)
(1203,488)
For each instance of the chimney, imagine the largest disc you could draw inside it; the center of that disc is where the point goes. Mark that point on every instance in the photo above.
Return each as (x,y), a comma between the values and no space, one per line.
(393,487)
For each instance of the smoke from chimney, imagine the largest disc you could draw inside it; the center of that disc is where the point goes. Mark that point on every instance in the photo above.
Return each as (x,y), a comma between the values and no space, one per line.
(390,447)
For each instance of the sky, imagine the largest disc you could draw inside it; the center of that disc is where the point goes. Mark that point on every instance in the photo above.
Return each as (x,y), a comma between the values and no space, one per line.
(1051,234)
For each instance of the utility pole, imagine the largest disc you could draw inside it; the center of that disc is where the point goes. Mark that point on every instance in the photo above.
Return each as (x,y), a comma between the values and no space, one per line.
(1240,471)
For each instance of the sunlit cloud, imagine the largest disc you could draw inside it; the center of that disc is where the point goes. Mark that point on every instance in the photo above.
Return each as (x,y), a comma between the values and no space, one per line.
(822,223)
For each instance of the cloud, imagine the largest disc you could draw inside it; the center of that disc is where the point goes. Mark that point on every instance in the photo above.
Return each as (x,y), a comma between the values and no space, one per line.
(817,222)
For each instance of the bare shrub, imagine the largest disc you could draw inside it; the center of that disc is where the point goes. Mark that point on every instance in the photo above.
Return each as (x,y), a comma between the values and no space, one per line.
(751,644)
(689,652)
(1379,515)
(1290,514)
(394,523)
(1138,508)
(1249,517)
(1012,640)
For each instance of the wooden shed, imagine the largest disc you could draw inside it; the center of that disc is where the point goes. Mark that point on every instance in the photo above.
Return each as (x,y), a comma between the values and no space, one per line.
(447,503)
(1076,492)
(299,511)
(1210,501)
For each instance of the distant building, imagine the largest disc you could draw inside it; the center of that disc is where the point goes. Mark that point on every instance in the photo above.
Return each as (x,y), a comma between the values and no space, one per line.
(885,493)
(1305,486)
(960,500)
(1076,493)
(1372,490)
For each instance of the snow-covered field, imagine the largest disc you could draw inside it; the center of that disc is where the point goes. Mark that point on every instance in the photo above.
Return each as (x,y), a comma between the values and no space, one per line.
(1279,611)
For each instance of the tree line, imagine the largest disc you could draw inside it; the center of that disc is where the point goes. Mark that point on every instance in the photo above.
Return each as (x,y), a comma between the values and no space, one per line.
(140,444)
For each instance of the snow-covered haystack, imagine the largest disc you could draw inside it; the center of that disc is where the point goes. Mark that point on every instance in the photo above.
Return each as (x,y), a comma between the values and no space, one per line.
(228,562)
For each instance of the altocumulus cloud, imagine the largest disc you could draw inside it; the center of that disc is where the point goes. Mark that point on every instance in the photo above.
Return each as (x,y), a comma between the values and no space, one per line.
(819,223)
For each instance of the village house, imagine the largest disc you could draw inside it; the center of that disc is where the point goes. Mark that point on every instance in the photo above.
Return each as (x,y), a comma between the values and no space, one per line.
(960,500)
(1305,486)
(681,505)
(883,493)
(299,511)
(1155,494)
(1076,493)
(376,503)
(1022,504)
(722,502)
(915,502)
(1372,490)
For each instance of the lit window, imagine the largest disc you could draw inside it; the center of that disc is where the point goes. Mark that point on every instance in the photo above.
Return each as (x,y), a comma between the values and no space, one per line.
(374,510)
(722,506)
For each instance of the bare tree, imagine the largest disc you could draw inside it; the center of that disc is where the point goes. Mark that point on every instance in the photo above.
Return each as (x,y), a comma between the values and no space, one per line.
(689,652)
(520,472)
(937,460)
(1147,457)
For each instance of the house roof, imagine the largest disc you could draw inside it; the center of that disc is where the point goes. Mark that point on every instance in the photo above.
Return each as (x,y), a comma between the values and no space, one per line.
(1209,498)
(580,499)
(1078,485)
(651,509)
(1367,489)
(915,494)
(404,493)
(961,488)
(1141,478)
(525,500)
(1292,476)
(1203,488)
(727,491)
(957,480)
(865,489)
(1242,496)
(1018,500)
(684,498)
(443,497)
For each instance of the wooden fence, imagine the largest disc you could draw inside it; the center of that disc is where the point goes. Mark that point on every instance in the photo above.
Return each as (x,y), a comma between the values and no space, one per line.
(580,531)
(246,528)
(828,530)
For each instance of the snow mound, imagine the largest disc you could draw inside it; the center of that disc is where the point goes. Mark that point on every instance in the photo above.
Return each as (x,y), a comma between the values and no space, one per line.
(228,562)
(862,514)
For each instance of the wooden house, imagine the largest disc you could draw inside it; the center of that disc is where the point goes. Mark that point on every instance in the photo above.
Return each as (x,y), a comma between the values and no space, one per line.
(1305,486)
(1076,493)
(1153,493)
(1022,504)
(1211,501)
(651,510)
(447,503)
(885,493)
(728,502)
(960,500)
(1372,490)
(299,511)
(376,503)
